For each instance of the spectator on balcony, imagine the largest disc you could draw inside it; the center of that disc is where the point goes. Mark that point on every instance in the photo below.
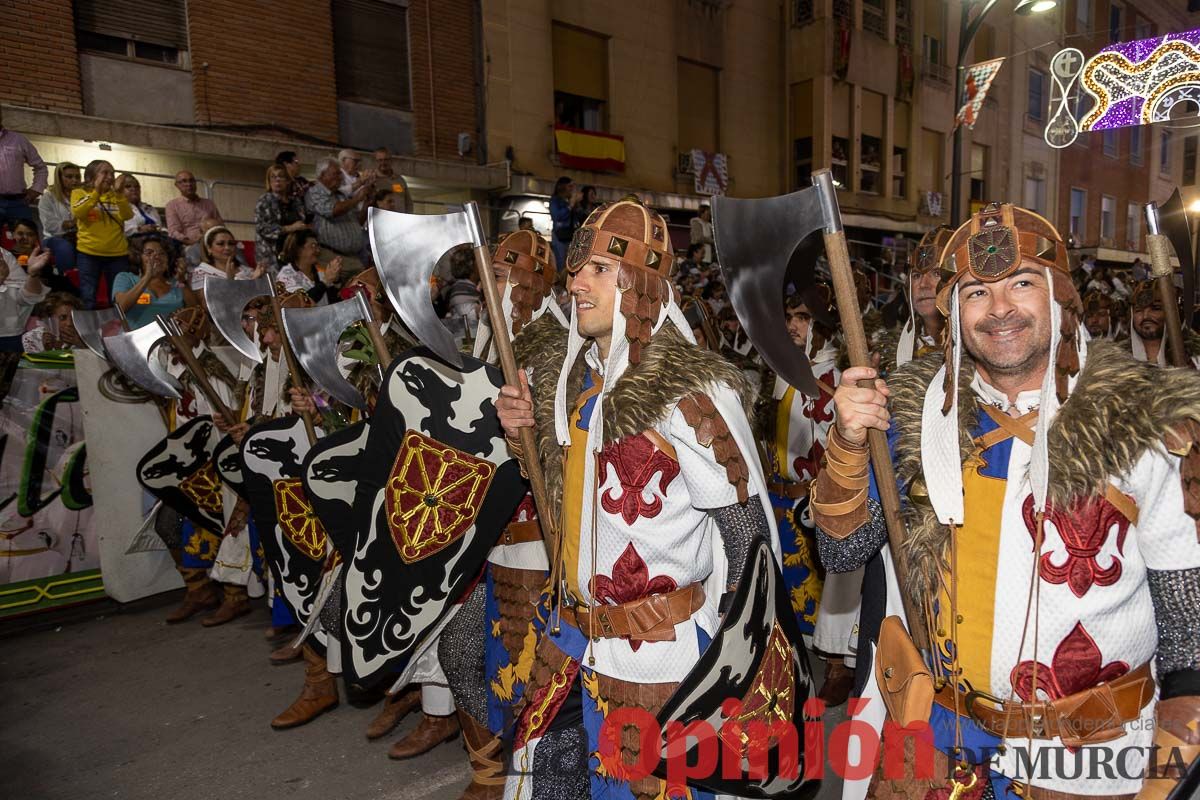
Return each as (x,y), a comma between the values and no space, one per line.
(353,177)
(336,217)
(291,162)
(561,220)
(16,198)
(276,214)
(52,326)
(702,232)
(584,207)
(219,252)
(54,206)
(100,213)
(302,270)
(156,286)
(26,238)
(58,223)
(186,212)
(21,289)
(145,217)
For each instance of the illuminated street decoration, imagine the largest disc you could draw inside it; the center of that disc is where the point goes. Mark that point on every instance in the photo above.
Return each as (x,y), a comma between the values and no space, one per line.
(1130,83)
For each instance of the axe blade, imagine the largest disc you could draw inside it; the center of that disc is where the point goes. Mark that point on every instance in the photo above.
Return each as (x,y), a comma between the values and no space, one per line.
(759,242)
(226,300)
(93,326)
(313,333)
(1173,221)
(406,249)
(130,352)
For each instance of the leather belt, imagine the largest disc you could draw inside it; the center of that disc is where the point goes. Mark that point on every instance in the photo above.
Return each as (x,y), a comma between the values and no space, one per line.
(792,490)
(521,532)
(648,619)
(1094,715)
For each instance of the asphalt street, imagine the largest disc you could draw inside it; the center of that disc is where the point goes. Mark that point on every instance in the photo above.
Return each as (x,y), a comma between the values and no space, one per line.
(117,704)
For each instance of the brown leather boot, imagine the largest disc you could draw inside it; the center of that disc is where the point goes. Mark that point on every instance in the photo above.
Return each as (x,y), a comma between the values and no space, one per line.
(201,595)
(431,732)
(235,604)
(395,708)
(319,695)
(286,654)
(483,749)
(839,680)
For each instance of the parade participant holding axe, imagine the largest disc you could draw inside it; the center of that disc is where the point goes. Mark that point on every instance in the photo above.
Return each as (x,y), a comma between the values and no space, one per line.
(1022,432)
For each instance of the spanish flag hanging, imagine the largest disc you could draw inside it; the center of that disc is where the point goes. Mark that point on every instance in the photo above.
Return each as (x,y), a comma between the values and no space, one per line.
(589,150)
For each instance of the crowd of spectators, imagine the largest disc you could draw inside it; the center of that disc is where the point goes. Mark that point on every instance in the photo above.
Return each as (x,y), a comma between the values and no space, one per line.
(89,235)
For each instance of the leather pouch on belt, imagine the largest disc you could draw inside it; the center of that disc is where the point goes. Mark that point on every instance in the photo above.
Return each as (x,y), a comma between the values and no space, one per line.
(1098,715)
(650,620)
(902,674)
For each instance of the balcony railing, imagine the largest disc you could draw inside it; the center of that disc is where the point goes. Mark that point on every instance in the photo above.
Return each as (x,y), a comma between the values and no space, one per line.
(939,73)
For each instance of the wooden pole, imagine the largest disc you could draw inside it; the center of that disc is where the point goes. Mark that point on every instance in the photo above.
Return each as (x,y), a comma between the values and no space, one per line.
(508,365)
(881,459)
(1164,280)
(293,367)
(193,366)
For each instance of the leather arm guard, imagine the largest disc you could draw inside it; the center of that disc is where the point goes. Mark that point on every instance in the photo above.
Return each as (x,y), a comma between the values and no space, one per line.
(839,495)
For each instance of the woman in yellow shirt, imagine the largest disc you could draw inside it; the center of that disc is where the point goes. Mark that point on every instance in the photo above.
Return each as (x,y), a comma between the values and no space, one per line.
(100,213)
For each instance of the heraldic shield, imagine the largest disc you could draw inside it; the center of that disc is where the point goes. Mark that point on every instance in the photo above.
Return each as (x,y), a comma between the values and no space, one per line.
(293,539)
(755,659)
(179,471)
(436,489)
(227,458)
(329,475)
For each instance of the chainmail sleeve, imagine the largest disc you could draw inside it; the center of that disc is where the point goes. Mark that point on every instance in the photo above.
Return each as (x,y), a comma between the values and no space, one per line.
(851,552)
(1176,598)
(739,524)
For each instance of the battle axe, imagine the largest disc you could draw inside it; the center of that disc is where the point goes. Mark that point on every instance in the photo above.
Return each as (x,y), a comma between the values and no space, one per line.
(227,300)
(1163,273)
(755,242)
(130,352)
(93,326)
(313,333)
(406,249)
(1173,221)
(170,329)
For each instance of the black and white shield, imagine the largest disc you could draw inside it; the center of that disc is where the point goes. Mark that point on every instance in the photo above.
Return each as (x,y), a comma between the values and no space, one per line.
(293,539)
(437,487)
(330,477)
(227,459)
(179,471)
(755,659)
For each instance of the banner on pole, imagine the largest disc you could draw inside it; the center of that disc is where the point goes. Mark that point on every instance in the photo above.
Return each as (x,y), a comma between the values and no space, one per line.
(979,79)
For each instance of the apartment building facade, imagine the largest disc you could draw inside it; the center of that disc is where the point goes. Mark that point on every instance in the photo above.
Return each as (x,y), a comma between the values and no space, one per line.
(219,87)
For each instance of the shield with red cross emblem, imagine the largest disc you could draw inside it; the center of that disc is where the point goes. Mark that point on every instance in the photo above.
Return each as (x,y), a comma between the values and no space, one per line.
(437,486)
(179,471)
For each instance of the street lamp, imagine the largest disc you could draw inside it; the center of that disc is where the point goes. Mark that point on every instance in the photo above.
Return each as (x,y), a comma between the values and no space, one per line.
(968,27)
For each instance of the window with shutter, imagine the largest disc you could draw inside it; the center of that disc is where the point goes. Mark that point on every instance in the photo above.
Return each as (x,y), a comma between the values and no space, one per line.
(370,47)
(150,30)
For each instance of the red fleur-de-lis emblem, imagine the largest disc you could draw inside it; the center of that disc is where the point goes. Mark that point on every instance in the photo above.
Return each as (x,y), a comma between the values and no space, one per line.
(1076,666)
(636,461)
(630,581)
(808,466)
(1084,528)
(820,408)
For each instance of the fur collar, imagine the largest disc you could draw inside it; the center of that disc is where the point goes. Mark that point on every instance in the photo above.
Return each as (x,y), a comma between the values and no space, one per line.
(1118,409)
(645,394)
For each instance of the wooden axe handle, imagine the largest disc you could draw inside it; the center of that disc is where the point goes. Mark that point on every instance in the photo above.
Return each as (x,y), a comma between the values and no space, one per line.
(377,341)
(293,367)
(1164,278)
(881,457)
(193,366)
(508,364)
